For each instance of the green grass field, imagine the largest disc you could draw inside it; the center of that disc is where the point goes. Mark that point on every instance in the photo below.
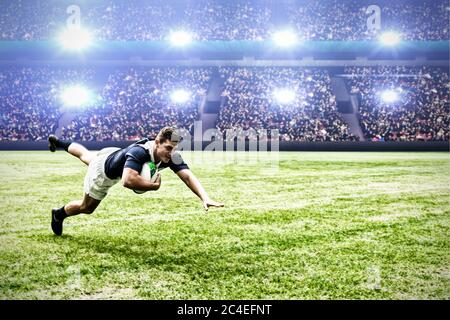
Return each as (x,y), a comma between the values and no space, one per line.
(323,226)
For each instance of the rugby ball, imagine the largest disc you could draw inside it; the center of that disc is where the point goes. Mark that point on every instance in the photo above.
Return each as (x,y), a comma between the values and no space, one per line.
(148,172)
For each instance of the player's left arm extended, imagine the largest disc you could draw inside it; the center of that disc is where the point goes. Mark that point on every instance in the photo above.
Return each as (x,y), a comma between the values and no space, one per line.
(192,182)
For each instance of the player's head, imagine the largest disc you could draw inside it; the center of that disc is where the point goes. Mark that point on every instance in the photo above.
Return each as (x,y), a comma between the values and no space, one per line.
(166,142)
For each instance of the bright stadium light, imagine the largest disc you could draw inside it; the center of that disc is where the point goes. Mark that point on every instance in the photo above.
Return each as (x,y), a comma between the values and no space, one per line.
(180,38)
(285,38)
(75,96)
(390,38)
(389,96)
(284,96)
(75,38)
(180,96)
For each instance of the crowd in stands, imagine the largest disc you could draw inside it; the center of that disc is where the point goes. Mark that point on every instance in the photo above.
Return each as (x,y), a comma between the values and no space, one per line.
(136,103)
(347,20)
(132,103)
(421,112)
(30,100)
(225,20)
(250,104)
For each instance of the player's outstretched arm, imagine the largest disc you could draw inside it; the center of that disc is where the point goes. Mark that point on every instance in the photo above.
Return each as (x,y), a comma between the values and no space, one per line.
(192,182)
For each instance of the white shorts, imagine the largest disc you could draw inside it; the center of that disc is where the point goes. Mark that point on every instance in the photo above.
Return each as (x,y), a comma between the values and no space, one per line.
(96,183)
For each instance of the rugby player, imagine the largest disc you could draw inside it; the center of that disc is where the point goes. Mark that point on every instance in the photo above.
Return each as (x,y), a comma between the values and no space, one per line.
(111,165)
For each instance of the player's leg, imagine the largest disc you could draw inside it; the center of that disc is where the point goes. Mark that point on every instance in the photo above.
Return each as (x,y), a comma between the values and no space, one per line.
(73,148)
(87,205)
(81,152)
(96,187)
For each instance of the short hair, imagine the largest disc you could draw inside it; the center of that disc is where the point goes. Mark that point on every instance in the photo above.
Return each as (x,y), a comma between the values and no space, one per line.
(168,133)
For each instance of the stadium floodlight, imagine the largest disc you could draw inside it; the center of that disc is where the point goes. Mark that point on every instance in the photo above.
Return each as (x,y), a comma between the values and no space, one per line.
(389,96)
(284,96)
(390,38)
(284,38)
(180,38)
(75,38)
(75,96)
(180,96)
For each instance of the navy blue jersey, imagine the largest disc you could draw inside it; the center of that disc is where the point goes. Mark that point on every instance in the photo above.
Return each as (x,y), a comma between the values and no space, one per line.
(134,156)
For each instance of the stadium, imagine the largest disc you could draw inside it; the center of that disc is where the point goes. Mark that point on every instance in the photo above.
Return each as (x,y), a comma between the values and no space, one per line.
(319,131)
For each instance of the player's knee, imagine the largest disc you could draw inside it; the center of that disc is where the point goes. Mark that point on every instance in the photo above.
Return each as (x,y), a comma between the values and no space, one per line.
(87,158)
